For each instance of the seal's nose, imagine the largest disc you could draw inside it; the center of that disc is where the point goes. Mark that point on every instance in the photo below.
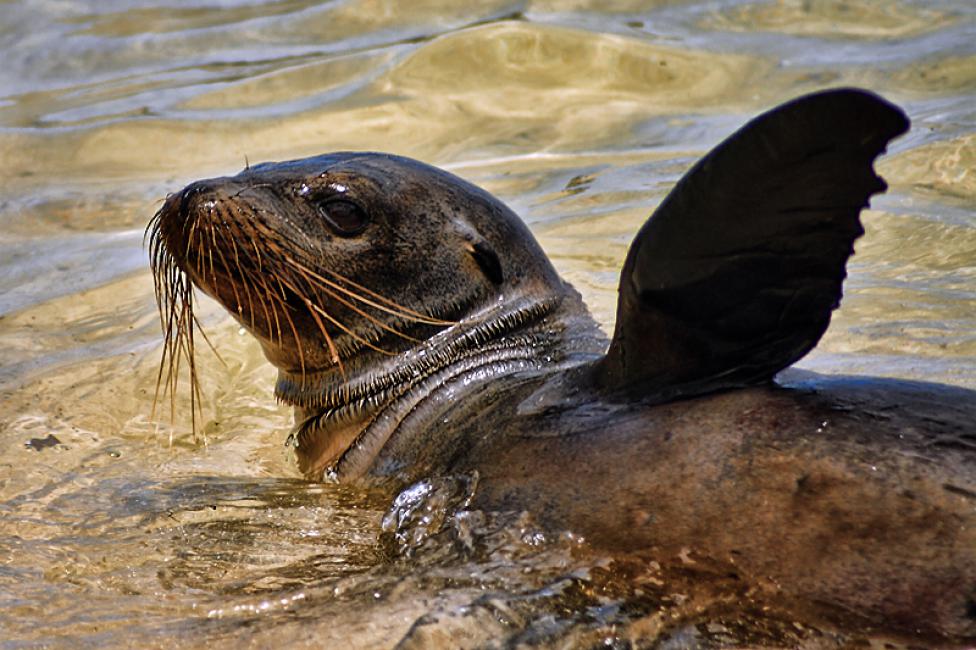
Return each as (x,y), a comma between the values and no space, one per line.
(181,208)
(192,196)
(180,214)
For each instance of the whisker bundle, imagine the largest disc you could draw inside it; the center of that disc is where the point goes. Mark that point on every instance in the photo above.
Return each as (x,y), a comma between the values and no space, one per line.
(230,251)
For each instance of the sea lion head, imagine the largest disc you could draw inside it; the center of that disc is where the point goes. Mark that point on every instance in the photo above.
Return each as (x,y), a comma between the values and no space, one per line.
(359,274)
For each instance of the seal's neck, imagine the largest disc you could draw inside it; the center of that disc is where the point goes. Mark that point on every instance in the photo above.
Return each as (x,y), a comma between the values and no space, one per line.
(340,431)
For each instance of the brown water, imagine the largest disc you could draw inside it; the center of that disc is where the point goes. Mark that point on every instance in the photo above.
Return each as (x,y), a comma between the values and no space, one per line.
(119,531)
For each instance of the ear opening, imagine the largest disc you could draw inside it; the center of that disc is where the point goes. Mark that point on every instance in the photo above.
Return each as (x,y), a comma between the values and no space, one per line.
(487,260)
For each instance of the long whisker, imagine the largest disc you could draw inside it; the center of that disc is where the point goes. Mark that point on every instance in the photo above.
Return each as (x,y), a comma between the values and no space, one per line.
(399,310)
(167,290)
(203,333)
(243,276)
(236,232)
(174,298)
(248,279)
(421,318)
(315,308)
(233,285)
(196,401)
(362,313)
(333,352)
(294,331)
(269,298)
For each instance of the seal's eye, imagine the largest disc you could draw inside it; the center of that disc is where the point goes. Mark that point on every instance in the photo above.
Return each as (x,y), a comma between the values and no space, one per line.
(345,217)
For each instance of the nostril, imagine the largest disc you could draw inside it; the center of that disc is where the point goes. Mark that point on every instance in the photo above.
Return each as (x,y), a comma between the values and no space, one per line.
(187,196)
(184,205)
(175,220)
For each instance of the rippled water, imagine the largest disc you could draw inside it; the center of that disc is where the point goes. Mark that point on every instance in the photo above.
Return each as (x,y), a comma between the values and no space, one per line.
(119,530)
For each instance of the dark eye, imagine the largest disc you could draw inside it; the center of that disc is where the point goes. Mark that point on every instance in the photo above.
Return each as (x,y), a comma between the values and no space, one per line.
(345,217)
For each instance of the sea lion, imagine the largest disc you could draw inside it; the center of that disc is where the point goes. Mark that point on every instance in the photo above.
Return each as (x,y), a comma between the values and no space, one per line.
(418,328)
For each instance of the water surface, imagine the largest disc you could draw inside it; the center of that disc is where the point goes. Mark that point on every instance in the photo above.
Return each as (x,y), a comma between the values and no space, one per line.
(117,529)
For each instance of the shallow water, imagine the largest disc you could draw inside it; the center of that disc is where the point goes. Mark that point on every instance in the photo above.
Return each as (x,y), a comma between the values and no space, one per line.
(118,529)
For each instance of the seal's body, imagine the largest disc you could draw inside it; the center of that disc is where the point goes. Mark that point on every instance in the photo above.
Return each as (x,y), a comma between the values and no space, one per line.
(418,329)
(840,495)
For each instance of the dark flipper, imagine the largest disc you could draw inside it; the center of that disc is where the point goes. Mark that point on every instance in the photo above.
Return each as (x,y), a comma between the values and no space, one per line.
(735,275)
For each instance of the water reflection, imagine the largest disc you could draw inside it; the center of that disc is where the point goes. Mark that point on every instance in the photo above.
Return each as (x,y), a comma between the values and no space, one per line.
(832,19)
(580,114)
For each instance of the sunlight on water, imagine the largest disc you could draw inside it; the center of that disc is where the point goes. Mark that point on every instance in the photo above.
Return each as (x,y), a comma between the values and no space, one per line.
(120,530)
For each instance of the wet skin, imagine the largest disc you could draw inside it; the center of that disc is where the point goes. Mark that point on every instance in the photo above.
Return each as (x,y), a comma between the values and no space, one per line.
(418,329)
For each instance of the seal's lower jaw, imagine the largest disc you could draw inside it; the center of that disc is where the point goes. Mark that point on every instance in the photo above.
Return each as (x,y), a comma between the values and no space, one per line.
(318,450)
